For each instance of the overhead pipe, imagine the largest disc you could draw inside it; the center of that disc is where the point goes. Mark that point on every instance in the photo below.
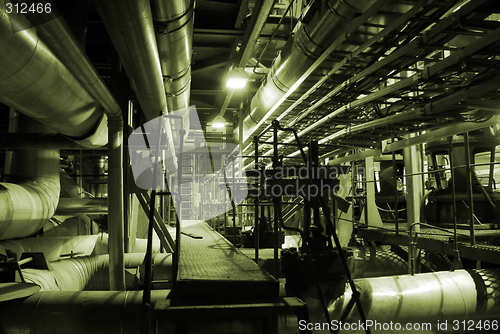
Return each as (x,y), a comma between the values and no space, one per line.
(55,31)
(35,82)
(173,25)
(130,26)
(106,312)
(72,226)
(431,297)
(87,206)
(320,26)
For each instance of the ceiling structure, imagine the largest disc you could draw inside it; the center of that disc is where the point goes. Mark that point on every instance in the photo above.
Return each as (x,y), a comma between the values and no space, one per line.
(382,69)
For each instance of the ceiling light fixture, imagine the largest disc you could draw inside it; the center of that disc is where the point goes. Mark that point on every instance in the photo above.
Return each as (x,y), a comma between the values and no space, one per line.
(237,79)
(219,122)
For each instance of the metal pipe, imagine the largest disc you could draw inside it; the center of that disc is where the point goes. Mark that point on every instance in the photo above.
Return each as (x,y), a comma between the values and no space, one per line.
(30,202)
(54,31)
(173,25)
(80,312)
(72,226)
(470,192)
(130,26)
(77,206)
(115,204)
(299,53)
(53,247)
(429,298)
(35,82)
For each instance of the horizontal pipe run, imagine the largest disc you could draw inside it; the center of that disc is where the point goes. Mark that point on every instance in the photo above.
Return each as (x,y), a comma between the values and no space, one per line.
(35,82)
(87,206)
(83,312)
(92,272)
(429,298)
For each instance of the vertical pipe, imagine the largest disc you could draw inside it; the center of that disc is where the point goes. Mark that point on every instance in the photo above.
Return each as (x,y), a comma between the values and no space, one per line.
(277,200)
(470,193)
(256,201)
(453,194)
(492,170)
(396,204)
(234,208)
(115,204)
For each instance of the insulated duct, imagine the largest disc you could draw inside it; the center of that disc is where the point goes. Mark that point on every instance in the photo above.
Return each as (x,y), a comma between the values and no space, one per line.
(324,22)
(130,27)
(92,272)
(87,206)
(30,201)
(173,24)
(35,82)
(81,312)
(424,298)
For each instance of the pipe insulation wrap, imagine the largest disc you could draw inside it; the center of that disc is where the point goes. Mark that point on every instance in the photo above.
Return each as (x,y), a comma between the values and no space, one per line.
(83,312)
(173,25)
(28,205)
(461,294)
(92,272)
(35,82)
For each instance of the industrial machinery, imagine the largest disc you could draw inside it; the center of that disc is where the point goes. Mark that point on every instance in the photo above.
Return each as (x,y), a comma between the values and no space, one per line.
(463,170)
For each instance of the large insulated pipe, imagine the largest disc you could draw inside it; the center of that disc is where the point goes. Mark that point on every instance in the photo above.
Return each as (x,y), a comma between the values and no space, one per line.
(35,82)
(92,272)
(130,27)
(55,248)
(173,24)
(461,295)
(87,206)
(54,31)
(71,226)
(79,312)
(30,201)
(321,26)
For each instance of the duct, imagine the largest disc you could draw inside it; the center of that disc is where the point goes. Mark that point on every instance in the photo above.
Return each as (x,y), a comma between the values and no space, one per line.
(54,247)
(30,202)
(431,297)
(102,312)
(173,22)
(92,272)
(129,24)
(35,82)
(54,31)
(87,206)
(70,226)
(320,27)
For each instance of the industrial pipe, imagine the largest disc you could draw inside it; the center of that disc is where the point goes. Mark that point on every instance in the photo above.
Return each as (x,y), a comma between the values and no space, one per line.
(173,25)
(320,27)
(54,31)
(35,82)
(130,27)
(91,273)
(53,248)
(83,312)
(28,203)
(425,298)
(72,226)
(77,206)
